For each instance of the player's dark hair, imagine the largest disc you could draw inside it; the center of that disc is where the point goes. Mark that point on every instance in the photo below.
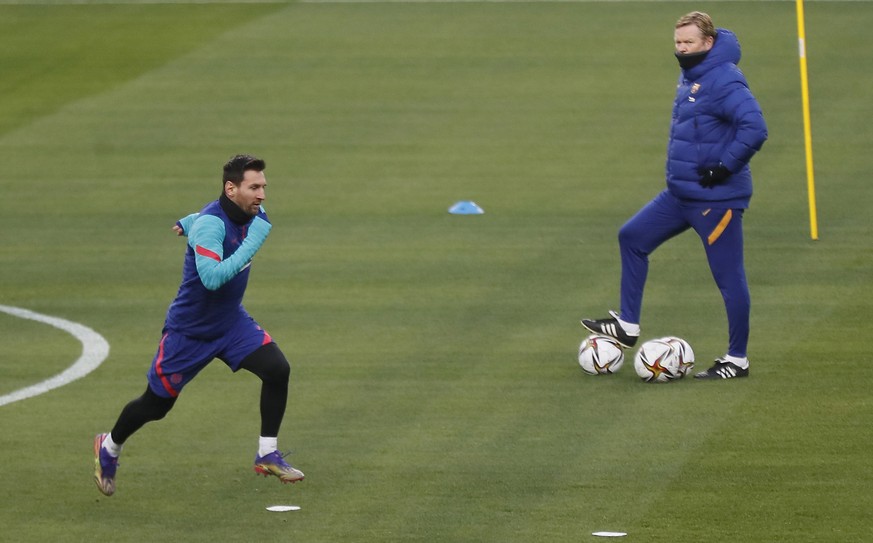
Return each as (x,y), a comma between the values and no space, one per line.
(236,167)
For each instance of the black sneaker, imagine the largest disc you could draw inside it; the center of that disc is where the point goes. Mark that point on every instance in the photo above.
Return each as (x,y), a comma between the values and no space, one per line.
(611,328)
(723,370)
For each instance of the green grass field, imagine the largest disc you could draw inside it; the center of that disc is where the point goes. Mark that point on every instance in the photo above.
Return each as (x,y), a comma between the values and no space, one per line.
(435,391)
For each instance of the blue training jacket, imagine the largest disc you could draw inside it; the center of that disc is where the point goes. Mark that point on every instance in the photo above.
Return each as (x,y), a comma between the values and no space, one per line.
(715,119)
(216,271)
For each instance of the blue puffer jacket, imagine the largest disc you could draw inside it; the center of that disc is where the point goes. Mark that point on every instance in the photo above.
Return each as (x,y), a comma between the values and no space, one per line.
(715,119)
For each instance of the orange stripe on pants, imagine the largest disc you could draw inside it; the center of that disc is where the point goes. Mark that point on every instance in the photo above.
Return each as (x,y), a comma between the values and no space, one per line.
(720,227)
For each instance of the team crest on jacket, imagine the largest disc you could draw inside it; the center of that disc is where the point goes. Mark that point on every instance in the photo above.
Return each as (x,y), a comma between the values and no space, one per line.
(694,88)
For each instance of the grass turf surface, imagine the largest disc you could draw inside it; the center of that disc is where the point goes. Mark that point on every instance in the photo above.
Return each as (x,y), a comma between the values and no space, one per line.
(435,395)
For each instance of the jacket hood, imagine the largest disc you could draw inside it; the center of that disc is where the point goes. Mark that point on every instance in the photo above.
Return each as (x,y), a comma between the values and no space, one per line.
(726,49)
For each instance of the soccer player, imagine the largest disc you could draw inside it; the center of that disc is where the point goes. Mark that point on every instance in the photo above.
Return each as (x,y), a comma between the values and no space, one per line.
(717,127)
(207,320)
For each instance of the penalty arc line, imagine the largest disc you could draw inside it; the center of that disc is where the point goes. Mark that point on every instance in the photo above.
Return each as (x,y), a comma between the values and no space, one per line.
(95,349)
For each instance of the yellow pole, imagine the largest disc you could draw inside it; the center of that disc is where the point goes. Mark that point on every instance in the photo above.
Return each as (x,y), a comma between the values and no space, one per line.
(807,130)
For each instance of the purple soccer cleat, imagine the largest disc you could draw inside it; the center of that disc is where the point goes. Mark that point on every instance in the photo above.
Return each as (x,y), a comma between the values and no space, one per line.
(274,464)
(104,467)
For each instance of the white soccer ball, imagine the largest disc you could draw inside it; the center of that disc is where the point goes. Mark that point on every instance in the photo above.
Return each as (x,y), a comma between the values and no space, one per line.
(684,352)
(662,360)
(600,355)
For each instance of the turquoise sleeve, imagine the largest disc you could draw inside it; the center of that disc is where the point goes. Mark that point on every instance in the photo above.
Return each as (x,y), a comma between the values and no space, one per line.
(207,240)
(186,223)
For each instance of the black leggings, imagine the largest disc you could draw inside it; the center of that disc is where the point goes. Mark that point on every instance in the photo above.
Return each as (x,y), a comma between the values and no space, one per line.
(268,363)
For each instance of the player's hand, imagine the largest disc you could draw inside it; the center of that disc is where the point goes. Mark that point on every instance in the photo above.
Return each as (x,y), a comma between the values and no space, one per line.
(178,230)
(713,175)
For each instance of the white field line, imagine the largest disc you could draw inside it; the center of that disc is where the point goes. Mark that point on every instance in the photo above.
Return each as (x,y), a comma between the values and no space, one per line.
(95,349)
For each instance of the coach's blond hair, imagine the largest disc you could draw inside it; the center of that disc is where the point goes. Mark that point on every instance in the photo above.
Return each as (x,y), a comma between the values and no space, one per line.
(699,19)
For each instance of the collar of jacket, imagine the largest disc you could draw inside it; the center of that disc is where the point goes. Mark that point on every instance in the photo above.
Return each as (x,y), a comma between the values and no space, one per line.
(233,211)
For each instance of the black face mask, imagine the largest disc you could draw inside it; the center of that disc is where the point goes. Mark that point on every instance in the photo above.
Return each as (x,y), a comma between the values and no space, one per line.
(686,62)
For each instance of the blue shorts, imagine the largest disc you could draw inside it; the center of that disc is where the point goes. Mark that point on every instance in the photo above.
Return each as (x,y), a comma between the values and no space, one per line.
(180,358)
